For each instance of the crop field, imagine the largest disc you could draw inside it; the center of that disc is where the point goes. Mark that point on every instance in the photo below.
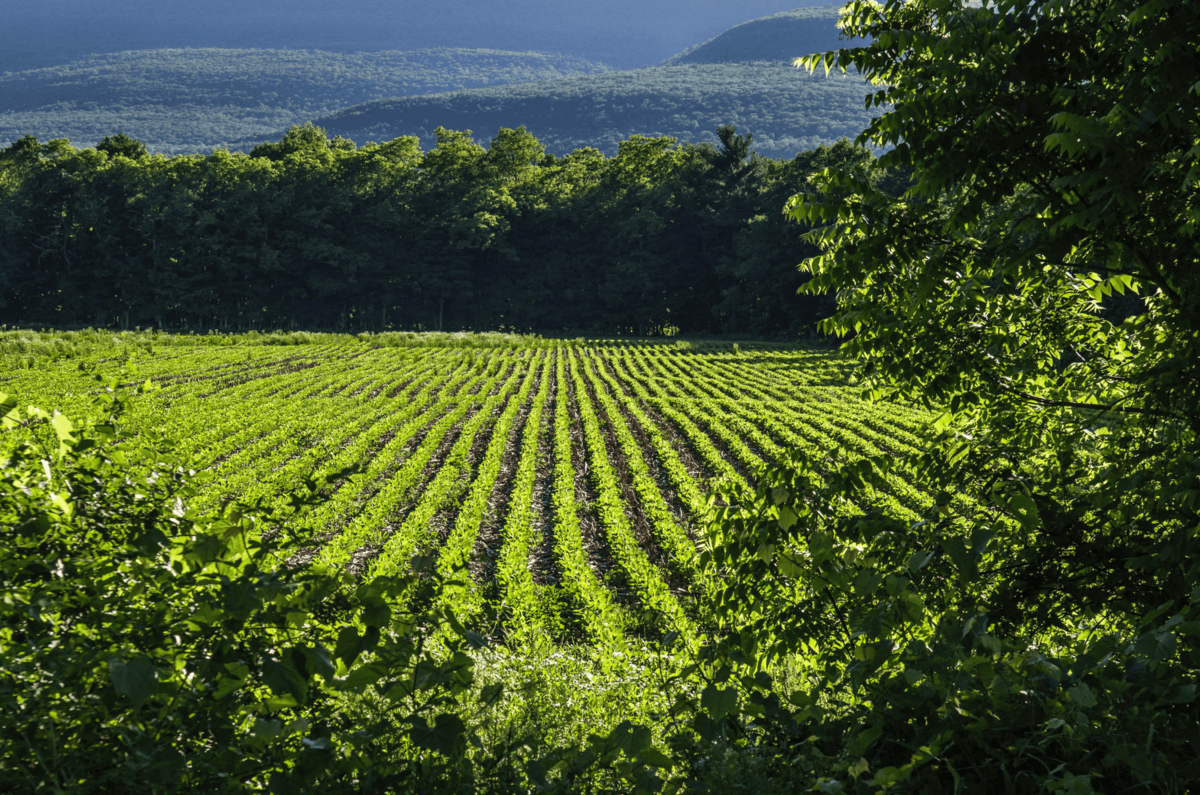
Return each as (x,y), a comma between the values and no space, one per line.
(569,479)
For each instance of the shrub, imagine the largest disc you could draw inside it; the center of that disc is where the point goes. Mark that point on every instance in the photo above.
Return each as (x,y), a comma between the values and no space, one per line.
(144,648)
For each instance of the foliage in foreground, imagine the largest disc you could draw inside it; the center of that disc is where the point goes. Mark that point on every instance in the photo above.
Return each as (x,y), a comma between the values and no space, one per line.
(1049,640)
(145,648)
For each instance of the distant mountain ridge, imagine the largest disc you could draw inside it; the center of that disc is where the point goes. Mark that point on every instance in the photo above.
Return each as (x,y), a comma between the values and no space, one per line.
(780,37)
(622,33)
(743,76)
(192,99)
(788,110)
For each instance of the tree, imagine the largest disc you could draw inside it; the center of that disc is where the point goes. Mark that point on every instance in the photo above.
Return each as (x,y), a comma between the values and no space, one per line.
(121,145)
(1054,172)
(1053,153)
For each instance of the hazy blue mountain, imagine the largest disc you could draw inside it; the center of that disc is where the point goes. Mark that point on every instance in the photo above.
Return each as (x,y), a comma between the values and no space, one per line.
(191,100)
(779,37)
(787,109)
(623,33)
(188,100)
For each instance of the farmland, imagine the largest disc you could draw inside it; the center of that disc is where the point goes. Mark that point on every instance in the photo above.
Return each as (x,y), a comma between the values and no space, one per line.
(566,482)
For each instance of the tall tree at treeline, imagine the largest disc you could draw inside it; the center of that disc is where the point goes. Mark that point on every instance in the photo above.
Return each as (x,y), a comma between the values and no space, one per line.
(309,232)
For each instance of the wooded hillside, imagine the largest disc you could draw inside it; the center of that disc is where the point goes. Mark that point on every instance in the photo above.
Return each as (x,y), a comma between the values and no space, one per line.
(190,100)
(788,109)
(780,37)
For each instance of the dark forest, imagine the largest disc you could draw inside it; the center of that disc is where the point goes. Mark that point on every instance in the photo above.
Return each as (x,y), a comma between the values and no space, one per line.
(309,232)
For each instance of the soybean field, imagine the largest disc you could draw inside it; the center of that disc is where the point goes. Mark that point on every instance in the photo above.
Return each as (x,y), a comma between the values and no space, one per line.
(565,484)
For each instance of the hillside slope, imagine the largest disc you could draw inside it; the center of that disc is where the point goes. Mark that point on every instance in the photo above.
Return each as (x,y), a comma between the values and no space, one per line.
(622,33)
(779,37)
(787,110)
(193,99)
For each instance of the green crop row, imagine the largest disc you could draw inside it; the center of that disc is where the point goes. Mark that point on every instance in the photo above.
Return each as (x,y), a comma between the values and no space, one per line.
(512,569)
(646,578)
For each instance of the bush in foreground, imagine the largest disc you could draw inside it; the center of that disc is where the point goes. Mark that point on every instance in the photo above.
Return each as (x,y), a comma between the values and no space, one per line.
(145,648)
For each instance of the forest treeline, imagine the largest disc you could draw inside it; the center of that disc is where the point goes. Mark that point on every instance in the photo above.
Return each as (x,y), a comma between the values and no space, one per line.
(312,232)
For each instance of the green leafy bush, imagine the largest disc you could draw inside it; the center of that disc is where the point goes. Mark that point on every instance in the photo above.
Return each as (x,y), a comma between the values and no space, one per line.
(908,679)
(146,648)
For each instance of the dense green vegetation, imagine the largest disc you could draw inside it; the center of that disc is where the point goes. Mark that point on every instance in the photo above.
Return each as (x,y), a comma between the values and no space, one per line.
(780,37)
(313,233)
(788,110)
(960,555)
(191,100)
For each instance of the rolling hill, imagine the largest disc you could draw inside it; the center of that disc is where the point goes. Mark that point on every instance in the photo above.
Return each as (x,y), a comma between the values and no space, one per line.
(622,33)
(193,99)
(779,37)
(787,109)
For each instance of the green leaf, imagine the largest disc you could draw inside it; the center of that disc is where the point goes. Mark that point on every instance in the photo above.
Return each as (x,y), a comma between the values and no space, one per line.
(788,566)
(376,612)
(919,560)
(284,681)
(1082,695)
(867,582)
(631,738)
(362,676)
(1183,694)
(801,699)
(8,411)
(1158,646)
(787,517)
(864,740)
(349,645)
(491,694)
(444,736)
(267,730)
(656,758)
(63,427)
(320,662)
(1025,511)
(718,702)
(137,679)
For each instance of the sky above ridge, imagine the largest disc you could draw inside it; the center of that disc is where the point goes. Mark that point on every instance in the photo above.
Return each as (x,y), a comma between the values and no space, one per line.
(620,33)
